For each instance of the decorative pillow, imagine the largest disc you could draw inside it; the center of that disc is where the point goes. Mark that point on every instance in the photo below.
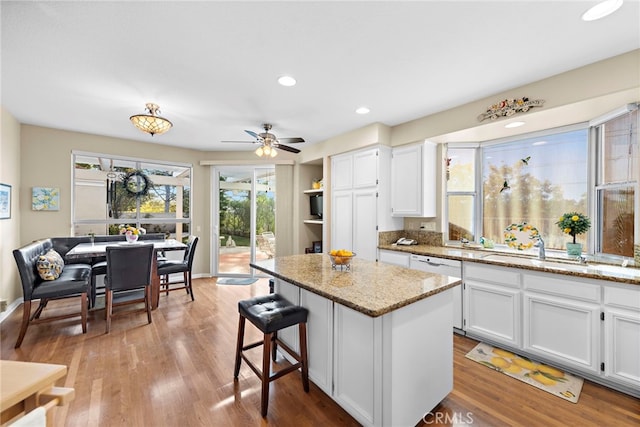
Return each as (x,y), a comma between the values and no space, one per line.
(50,265)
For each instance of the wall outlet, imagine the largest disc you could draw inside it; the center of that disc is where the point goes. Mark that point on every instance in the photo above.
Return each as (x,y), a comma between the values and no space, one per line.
(3,305)
(429,226)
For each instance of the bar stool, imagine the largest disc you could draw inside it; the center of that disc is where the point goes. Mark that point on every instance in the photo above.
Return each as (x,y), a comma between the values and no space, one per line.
(271,313)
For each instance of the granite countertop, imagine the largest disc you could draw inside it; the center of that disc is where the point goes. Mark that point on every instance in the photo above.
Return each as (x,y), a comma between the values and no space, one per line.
(371,288)
(507,259)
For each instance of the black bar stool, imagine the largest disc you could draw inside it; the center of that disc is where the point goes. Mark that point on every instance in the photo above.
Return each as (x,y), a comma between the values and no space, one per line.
(271,313)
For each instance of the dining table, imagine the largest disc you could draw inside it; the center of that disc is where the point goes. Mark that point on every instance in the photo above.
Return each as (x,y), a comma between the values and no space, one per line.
(26,386)
(99,249)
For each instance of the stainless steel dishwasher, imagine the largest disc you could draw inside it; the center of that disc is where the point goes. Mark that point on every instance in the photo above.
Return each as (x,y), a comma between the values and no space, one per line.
(446,267)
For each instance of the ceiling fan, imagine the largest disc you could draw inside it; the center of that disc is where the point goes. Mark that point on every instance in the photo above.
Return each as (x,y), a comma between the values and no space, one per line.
(268,142)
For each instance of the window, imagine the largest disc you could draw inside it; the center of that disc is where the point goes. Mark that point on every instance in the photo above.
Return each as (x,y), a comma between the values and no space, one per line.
(102,201)
(617,183)
(461,192)
(536,178)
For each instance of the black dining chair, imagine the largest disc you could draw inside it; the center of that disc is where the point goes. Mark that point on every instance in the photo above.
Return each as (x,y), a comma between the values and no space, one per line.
(167,267)
(128,279)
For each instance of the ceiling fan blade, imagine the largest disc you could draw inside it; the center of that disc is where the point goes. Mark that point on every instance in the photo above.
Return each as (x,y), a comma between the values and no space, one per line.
(253,134)
(291,140)
(286,148)
(247,142)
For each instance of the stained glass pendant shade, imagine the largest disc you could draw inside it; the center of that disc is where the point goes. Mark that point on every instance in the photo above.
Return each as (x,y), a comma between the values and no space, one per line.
(151,123)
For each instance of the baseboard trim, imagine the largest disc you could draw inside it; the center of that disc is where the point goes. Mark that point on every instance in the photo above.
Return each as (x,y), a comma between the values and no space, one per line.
(11,308)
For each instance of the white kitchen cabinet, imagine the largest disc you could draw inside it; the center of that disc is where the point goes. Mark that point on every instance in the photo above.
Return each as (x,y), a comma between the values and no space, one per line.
(378,360)
(365,233)
(622,335)
(366,168)
(492,303)
(319,339)
(360,200)
(341,220)
(587,326)
(394,257)
(561,320)
(290,335)
(355,363)
(492,312)
(413,180)
(341,172)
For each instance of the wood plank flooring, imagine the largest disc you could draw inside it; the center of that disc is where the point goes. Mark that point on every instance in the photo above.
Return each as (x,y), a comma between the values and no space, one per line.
(178,371)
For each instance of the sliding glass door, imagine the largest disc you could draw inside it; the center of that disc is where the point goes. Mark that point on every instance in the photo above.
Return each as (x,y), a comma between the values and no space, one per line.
(244,212)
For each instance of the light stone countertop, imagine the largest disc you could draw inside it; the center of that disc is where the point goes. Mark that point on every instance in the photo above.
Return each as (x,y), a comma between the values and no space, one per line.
(371,288)
(508,259)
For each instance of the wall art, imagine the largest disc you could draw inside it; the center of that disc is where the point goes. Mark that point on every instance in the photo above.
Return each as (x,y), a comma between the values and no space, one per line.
(45,199)
(5,201)
(509,107)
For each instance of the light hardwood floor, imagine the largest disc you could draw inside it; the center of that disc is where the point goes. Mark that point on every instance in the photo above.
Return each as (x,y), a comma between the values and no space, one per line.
(178,371)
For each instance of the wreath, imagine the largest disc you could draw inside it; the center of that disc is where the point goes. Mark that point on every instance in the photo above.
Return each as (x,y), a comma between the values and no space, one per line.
(137,183)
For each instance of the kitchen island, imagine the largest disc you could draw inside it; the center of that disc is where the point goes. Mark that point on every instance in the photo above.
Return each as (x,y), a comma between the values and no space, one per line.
(380,340)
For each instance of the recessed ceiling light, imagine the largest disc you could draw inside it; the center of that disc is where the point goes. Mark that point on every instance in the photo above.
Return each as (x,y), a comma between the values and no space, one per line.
(601,10)
(287,81)
(362,110)
(513,125)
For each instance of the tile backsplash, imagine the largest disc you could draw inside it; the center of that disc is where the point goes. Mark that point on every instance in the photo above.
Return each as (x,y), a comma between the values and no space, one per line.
(430,238)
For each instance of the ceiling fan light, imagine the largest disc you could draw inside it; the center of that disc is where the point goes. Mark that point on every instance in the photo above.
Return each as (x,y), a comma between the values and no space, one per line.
(151,123)
(601,10)
(260,151)
(274,152)
(267,150)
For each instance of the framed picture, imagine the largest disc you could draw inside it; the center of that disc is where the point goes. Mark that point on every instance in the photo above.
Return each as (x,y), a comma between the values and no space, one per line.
(5,201)
(317,247)
(45,199)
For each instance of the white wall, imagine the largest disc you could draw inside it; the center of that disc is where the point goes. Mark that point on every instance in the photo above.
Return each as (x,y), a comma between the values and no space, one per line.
(10,287)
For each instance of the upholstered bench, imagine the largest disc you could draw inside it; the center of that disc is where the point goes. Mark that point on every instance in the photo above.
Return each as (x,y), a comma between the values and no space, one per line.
(68,280)
(271,313)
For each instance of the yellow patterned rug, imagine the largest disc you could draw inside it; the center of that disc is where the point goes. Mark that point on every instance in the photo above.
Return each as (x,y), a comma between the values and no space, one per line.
(545,377)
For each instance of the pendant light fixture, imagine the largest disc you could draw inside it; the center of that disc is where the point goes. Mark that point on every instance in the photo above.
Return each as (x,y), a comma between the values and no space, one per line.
(151,123)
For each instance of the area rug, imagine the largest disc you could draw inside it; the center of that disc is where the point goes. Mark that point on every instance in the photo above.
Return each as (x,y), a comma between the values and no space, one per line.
(545,377)
(236,281)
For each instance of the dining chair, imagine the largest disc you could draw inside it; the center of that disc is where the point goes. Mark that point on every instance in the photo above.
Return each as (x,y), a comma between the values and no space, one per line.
(167,267)
(128,279)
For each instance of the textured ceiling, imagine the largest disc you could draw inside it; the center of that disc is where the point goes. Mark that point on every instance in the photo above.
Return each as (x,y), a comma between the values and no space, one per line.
(212,66)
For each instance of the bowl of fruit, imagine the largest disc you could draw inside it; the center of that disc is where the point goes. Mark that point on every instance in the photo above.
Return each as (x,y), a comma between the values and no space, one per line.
(341,259)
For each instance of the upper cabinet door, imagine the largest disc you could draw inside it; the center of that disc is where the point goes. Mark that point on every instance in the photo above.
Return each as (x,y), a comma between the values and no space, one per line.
(406,181)
(413,180)
(365,168)
(342,172)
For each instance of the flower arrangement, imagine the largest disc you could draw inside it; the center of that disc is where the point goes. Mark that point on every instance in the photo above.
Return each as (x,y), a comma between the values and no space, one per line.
(130,230)
(574,223)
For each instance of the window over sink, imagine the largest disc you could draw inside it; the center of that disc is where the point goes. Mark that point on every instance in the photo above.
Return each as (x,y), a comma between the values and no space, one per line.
(590,168)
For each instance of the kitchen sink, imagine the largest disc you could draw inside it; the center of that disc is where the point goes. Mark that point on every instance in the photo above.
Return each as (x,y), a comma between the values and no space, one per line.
(603,269)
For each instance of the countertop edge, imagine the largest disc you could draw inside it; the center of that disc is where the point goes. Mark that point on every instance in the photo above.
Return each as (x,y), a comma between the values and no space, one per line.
(351,304)
(467,254)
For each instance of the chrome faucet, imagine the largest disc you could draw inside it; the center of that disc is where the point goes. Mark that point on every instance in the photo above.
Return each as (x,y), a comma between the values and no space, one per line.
(540,245)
